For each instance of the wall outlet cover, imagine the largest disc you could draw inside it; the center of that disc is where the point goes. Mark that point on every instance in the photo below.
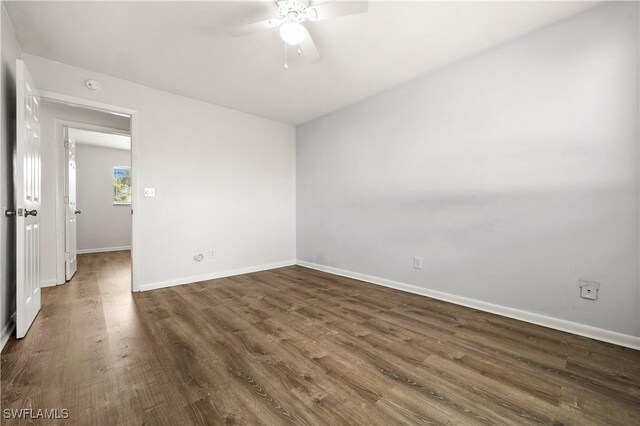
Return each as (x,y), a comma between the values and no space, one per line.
(589,289)
(149,192)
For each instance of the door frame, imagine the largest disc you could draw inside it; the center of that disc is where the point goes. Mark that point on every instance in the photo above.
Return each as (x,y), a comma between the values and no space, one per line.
(61,125)
(135,189)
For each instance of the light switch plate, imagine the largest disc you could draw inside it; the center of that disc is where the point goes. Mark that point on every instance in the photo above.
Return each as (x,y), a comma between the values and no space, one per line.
(417,262)
(149,192)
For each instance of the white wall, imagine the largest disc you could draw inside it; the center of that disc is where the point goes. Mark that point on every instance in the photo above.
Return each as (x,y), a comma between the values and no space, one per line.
(101,225)
(52,215)
(513,174)
(10,51)
(225,180)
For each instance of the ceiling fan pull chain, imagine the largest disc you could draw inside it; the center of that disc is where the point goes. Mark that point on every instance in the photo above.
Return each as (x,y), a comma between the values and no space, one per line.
(286,65)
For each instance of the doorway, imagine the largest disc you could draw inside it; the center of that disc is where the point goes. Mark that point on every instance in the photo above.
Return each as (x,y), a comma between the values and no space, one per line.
(40,213)
(97,192)
(94,188)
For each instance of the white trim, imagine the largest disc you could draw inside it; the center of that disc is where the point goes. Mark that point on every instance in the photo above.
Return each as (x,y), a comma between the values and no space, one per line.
(609,336)
(7,331)
(135,199)
(216,275)
(135,167)
(49,283)
(69,99)
(103,249)
(94,128)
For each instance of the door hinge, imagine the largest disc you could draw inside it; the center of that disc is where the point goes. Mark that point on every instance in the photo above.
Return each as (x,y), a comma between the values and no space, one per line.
(66,200)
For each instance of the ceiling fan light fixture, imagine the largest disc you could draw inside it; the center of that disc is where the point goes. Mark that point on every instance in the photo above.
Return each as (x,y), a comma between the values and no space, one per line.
(293,33)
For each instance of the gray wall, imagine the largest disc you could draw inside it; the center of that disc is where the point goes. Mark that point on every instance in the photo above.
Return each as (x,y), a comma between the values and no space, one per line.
(238,168)
(53,178)
(10,52)
(513,174)
(101,225)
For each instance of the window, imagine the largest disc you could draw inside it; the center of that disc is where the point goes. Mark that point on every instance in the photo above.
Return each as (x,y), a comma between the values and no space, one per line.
(121,185)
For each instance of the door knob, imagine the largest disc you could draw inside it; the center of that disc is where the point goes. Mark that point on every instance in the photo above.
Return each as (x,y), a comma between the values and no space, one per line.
(10,213)
(78,212)
(30,213)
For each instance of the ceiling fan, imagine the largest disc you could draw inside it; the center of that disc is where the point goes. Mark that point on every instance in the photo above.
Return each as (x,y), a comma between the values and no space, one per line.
(291,18)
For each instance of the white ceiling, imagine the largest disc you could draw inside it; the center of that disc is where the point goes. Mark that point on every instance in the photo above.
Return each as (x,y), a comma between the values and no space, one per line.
(183,47)
(107,140)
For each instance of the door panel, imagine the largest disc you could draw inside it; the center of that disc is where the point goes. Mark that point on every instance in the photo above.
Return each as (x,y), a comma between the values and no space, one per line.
(71,264)
(27,189)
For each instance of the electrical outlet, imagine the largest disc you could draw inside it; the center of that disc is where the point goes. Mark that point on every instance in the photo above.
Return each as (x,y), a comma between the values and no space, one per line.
(589,289)
(417,262)
(211,254)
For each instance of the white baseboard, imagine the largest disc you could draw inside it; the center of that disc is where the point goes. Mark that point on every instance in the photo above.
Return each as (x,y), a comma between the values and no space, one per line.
(216,275)
(609,336)
(7,330)
(103,249)
(49,283)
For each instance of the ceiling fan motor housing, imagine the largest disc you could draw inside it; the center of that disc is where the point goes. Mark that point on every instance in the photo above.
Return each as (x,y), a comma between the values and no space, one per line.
(292,11)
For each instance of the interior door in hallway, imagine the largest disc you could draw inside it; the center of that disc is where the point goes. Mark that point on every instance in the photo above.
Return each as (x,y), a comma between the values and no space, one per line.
(70,244)
(27,191)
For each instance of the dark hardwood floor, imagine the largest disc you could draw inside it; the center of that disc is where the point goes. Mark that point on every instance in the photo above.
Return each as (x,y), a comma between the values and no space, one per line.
(294,345)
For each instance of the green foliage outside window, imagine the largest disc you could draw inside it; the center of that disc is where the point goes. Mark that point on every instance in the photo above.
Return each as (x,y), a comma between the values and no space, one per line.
(121,185)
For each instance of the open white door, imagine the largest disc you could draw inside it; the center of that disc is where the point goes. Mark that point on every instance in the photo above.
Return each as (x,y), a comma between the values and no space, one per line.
(70,247)
(27,189)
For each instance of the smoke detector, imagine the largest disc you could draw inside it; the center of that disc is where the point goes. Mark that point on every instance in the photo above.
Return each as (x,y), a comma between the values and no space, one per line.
(93,85)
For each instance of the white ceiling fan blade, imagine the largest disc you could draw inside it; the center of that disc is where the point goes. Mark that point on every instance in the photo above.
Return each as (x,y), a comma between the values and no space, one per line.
(309,50)
(333,9)
(243,27)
